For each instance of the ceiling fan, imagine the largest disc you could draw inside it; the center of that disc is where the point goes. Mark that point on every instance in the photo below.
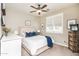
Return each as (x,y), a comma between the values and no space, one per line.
(39,9)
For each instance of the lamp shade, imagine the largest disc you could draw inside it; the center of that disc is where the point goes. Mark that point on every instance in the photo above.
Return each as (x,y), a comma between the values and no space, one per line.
(16,32)
(38,30)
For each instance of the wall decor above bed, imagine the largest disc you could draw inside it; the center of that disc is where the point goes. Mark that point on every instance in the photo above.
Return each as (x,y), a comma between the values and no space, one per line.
(27,23)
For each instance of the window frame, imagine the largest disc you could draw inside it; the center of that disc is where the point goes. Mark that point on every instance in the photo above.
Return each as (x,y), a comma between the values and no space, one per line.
(53,26)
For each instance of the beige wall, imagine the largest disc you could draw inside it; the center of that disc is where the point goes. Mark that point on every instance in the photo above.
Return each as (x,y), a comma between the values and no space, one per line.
(15,19)
(69,13)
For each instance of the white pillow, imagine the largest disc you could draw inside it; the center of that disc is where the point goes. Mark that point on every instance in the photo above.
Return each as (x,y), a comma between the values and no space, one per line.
(23,34)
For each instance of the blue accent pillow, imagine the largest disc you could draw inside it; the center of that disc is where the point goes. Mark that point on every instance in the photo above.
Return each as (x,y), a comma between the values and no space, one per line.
(30,34)
(33,33)
(27,34)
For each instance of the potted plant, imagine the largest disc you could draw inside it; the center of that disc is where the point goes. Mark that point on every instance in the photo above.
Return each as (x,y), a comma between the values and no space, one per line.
(6,30)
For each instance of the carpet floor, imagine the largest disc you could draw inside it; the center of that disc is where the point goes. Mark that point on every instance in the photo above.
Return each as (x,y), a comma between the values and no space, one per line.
(56,50)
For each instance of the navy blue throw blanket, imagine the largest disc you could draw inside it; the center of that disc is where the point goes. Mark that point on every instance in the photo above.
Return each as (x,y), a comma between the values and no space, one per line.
(49,41)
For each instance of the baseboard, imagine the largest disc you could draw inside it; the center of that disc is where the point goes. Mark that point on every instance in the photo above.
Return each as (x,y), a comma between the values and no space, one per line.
(60,44)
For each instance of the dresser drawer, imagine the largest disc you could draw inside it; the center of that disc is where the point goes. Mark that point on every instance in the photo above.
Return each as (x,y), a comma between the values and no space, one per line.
(71,48)
(73,39)
(74,48)
(73,43)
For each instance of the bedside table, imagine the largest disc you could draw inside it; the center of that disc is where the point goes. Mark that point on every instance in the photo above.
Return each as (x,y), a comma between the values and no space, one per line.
(11,45)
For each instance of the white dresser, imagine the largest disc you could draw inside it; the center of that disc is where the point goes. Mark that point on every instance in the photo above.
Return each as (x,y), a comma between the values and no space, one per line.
(11,45)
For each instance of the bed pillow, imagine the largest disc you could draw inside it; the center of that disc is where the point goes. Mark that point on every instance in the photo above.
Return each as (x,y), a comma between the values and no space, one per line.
(29,34)
(33,33)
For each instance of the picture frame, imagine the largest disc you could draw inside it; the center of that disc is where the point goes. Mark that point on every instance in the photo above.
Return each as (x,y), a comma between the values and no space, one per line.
(27,23)
(74,27)
(71,21)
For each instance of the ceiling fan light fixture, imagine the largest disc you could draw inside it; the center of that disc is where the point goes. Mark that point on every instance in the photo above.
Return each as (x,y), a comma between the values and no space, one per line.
(39,11)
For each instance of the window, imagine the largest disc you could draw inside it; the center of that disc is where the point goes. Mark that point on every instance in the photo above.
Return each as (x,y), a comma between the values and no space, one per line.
(54,24)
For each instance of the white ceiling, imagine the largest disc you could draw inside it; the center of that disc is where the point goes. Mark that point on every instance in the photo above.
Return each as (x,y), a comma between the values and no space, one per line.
(25,7)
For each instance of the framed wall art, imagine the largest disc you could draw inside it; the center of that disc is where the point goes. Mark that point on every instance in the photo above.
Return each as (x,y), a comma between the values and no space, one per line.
(71,21)
(27,23)
(74,27)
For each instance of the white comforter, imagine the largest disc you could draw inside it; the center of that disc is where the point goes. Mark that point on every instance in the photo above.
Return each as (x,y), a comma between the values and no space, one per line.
(35,42)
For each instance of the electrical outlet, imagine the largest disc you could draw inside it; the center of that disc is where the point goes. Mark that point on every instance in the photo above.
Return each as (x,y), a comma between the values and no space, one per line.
(65,42)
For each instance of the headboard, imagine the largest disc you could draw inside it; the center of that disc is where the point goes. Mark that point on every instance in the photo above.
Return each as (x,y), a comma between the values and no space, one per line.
(26,29)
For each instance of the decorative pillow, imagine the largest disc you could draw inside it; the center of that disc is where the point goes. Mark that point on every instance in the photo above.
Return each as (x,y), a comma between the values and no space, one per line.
(33,33)
(27,34)
(30,34)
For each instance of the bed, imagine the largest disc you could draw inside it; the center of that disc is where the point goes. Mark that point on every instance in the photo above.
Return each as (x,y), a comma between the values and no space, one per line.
(33,45)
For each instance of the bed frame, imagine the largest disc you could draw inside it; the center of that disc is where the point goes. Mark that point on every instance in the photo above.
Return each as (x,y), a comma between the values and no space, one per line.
(38,52)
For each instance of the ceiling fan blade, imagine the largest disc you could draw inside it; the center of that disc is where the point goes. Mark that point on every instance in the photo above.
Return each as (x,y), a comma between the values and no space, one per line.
(43,6)
(33,7)
(32,11)
(45,10)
